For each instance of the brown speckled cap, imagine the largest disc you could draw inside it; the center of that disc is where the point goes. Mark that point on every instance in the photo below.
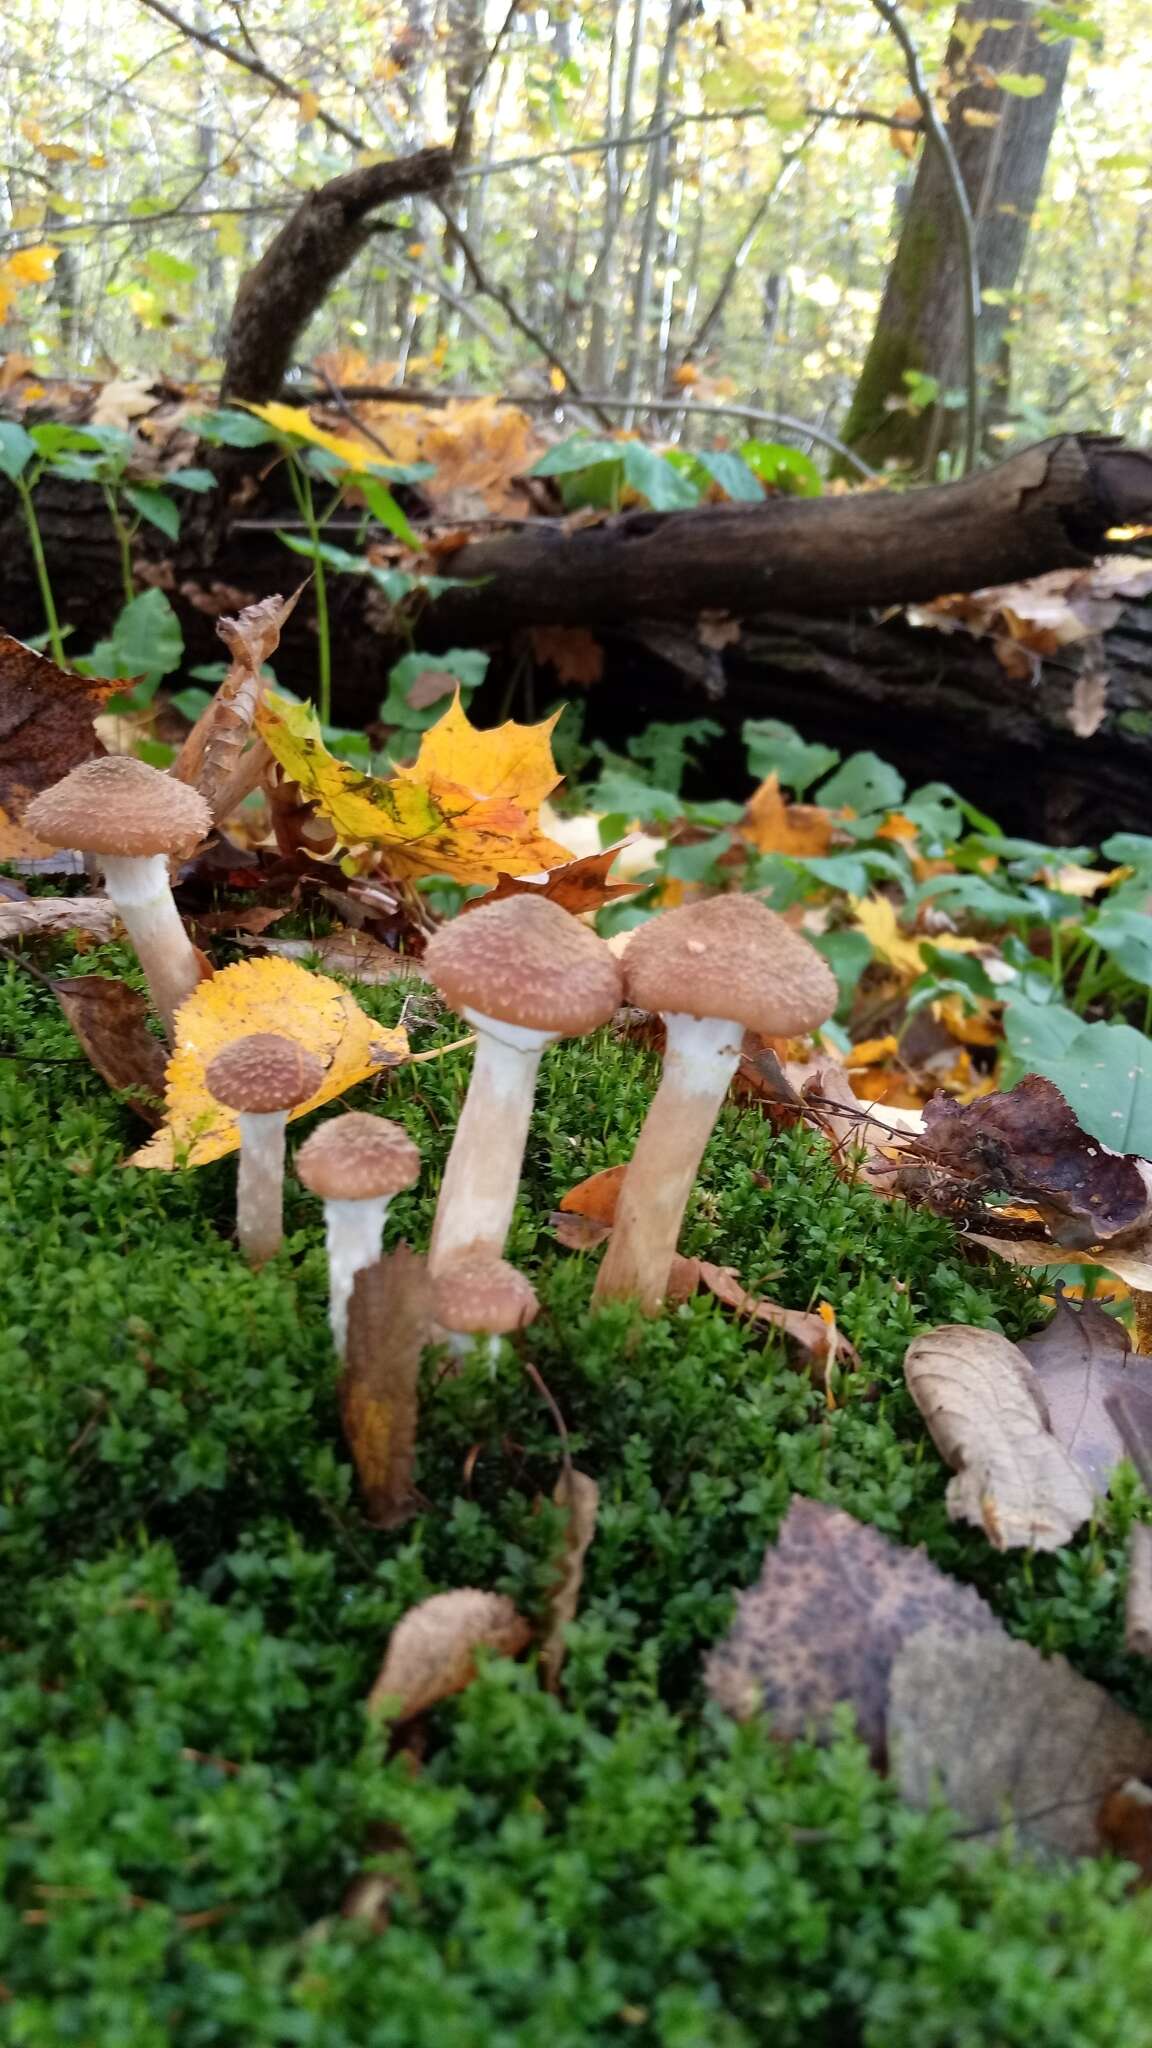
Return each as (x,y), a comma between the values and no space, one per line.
(355,1157)
(479,1293)
(525,961)
(263,1072)
(119,805)
(729,957)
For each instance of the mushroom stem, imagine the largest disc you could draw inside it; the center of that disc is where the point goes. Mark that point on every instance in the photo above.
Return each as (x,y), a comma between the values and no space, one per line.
(139,887)
(701,1056)
(478,1192)
(354,1229)
(260,1183)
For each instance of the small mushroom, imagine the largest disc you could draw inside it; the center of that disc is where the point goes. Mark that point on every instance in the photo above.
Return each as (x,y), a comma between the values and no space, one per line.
(524,973)
(355,1163)
(134,819)
(713,970)
(262,1077)
(477,1295)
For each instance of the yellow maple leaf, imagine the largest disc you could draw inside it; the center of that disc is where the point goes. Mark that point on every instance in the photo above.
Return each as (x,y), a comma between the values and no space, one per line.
(293,422)
(876,917)
(467,807)
(31,266)
(774,826)
(260,995)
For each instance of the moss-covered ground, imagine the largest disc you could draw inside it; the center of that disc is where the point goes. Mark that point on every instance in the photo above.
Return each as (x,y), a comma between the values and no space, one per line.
(193,1611)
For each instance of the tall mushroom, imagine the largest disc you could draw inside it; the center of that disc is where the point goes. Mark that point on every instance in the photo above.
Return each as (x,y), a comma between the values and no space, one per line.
(713,970)
(524,973)
(477,1295)
(262,1077)
(134,819)
(355,1163)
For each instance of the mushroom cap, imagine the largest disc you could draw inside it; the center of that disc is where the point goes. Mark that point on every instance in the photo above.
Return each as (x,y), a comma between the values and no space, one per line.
(481,1293)
(119,805)
(263,1072)
(356,1157)
(729,957)
(525,961)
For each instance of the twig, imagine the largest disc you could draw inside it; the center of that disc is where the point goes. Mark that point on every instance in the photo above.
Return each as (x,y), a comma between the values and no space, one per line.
(254,64)
(552,1405)
(940,141)
(473,93)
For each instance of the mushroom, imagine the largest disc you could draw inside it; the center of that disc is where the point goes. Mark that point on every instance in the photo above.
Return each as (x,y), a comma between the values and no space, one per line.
(524,973)
(713,969)
(262,1077)
(355,1163)
(135,820)
(478,1295)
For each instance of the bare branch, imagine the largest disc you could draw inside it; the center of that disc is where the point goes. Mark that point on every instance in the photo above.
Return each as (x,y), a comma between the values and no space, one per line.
(252,63)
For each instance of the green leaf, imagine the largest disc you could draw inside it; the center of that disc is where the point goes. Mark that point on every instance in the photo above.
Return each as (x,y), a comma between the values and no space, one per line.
(146,641)
(231,429)
(191,703)
(17,449)
(464,665)
(617,791)
(1126,937)
(386,512)
(656,479)
(1129,850)
(847,954)
(190,480)
(1105,1072)
(846,871)
(171,269)
(1022,85)
(153,506)
(964,970)
(696,861)
(734,476)
(863,783)
(777,749)
(325,551)
(783,468)
(52,437)
(1037,1033)
(574,455)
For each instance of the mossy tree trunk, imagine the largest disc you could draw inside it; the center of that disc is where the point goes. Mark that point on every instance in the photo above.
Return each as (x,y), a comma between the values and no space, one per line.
(1001,140)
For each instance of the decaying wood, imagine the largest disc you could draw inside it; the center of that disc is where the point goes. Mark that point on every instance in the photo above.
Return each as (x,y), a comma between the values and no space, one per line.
(280,294)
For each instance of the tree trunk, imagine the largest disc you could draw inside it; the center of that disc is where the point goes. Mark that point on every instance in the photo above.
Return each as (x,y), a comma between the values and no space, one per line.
(920,325)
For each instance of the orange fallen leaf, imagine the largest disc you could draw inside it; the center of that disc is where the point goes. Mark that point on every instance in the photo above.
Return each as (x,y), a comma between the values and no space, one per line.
(596,1197)
(261,995)
(575,653)
(773,826)
(580,886)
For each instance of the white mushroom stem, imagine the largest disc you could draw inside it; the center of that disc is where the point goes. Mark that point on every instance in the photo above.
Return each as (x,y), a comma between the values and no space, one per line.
(701,1056)
(478,1193)
(354,1231)
(139,888)
(260,1183)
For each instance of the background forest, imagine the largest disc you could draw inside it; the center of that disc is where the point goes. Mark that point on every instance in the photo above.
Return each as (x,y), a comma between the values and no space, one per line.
(654,199)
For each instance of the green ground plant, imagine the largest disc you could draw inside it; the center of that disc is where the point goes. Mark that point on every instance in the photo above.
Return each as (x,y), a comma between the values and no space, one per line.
(194,1610)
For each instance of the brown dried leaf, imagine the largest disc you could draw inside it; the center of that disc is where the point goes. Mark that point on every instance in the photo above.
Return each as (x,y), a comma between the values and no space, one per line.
(210,755)
(834,1604)
(580,1495)
(1125,1825)
(39,917)
(429,687)
(1089,701)
(579,886)
(1081,1357)
(1133,1264)
(987,1417)
(432,1650)
(575,653)
(46,725)
(111,1022)
(819,1340)
(596,1197)
(717,630)
(356,955)
(1050,1746)
(578,1233)
(388,1322)
(1028,1143)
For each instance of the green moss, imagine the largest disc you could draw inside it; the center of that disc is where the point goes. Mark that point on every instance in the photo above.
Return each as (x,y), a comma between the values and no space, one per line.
(194,1611)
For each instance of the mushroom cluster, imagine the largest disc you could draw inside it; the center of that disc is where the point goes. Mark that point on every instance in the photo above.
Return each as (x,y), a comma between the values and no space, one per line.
(524,973)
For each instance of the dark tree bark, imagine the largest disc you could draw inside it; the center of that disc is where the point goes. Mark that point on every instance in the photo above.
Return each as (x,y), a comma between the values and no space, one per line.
(280,294)
(920,324)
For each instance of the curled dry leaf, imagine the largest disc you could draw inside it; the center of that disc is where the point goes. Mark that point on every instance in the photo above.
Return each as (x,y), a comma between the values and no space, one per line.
(815,1335)
(46,730)
(580,886)
(578,1233)
(1079,1358)
(1003,1733)
(834,1604)
(388,1322)
(39,917)
(111,1022)
(432,1650)
(1028,1143)
(987,1417)
(355,954)
(580,1495)
(209,758)
(1132,1263)
(260,995)
(1138,1603)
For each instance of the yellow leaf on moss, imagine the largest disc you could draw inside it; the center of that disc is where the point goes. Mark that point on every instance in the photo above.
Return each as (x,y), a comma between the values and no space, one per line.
(261,995)
(293,421)
(468,806)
